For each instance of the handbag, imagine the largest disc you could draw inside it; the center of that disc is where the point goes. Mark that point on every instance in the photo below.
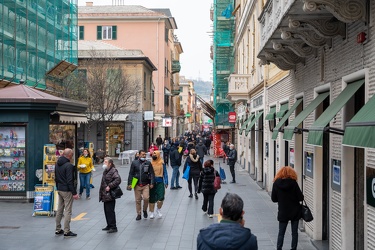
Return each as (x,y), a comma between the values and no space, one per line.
(186,173)
(116,192)
(306,212)
(217,182)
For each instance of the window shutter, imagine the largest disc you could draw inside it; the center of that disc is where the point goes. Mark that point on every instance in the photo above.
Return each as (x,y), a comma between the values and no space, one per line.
(81,32)
(114,32)
(99,32)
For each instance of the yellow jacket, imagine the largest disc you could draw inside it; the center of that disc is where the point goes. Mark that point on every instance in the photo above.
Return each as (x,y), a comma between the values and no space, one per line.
(88,162)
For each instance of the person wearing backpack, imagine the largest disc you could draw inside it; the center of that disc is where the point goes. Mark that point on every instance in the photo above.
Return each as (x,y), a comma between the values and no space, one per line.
(206,186)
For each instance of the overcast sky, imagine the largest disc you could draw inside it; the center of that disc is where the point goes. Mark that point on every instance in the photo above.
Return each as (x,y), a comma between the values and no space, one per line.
(194,27)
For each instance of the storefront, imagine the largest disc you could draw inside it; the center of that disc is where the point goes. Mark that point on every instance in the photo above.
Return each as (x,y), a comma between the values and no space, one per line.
(29,119)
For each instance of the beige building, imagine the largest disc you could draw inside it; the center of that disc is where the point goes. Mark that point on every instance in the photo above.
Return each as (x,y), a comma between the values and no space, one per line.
(148,30)
(122,129)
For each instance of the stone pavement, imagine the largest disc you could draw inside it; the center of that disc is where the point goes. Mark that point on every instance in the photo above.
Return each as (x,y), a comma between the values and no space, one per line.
(177,229)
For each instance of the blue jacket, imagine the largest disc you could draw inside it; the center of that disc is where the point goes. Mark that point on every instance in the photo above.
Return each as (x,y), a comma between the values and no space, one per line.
(226,235)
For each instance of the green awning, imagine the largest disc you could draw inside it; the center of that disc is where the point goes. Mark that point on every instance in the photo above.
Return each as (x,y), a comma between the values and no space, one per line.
(253,122)
(275,132)
(271,114)
(245,124)
(283,110)
(360,131)
(315,136)
(289,130)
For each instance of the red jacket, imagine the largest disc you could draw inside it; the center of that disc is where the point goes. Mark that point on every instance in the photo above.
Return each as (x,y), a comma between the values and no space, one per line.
(152,149)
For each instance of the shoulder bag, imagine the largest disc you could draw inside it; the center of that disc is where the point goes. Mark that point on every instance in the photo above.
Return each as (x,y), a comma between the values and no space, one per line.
(306,212)
(116,192)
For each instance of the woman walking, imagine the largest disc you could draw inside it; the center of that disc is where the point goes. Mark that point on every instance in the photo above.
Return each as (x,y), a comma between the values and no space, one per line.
(161,183)
(110,180)
(195,169)
(85,167)
(287,194)
(206,186)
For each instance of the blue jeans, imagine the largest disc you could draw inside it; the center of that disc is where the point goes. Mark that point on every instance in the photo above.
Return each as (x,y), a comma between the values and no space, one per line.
(84,181)
(175,176)
(282,229)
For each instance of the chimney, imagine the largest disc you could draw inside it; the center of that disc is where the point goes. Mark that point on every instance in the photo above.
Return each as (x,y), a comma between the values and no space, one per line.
(89,4)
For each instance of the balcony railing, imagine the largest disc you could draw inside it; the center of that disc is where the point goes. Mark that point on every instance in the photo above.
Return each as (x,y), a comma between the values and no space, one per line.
(176,67)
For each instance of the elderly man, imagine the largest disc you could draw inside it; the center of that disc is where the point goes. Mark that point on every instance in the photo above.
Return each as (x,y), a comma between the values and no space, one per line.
(66,184)
(230,233)
(232,159)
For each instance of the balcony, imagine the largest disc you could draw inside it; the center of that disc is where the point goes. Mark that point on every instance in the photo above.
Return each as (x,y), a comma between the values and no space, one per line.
(239,87)
(176,67)
(293,30)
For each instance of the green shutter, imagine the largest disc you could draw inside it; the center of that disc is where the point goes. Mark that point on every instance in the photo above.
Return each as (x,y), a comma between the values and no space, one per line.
(289,130)
(275,132)
(251,125)
(283,110)
(99,32)
(315,136)
(81,32)
(271,114)
(114,32)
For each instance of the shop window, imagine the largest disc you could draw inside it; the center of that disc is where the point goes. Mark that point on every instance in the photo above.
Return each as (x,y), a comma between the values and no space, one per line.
(12,158)
(63,136)
(81,32)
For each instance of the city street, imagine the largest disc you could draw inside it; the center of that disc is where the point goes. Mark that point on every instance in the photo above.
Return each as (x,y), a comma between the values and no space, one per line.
(177,229)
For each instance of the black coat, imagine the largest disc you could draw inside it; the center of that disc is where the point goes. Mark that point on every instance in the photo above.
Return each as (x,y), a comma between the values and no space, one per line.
(65,175)
(232,157)
(110,178)
(206,180)
(174,156)
(288,195)
(195,166)
(201,149)
(143,171)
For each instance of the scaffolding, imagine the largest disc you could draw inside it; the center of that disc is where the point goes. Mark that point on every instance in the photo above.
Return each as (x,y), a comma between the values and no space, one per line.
(35,36)
(223,58)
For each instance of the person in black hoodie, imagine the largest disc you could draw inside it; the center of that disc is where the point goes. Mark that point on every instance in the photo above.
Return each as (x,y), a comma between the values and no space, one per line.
(66,185)
(195,169)
(206,186)
(175,158)
(286,192)
(231,232)
(201,150)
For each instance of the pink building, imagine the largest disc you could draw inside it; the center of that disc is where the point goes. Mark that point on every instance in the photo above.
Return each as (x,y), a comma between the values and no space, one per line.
(136,27)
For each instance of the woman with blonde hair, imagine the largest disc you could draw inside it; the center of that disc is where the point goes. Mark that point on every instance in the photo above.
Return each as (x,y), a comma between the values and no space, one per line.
(195,169)
(287,194)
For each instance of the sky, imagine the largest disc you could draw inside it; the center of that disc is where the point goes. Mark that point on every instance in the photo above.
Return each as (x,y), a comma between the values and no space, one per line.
(194,32)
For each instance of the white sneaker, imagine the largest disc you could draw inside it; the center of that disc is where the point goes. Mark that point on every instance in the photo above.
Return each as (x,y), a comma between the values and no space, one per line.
(152,215)
(210,216)
(159,213)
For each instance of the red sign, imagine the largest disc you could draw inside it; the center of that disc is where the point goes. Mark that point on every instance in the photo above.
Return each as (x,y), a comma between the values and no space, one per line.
(232,117)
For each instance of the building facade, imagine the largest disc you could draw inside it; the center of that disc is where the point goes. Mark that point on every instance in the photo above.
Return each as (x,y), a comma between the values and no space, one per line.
(316,100)
(136,27)
(37,38)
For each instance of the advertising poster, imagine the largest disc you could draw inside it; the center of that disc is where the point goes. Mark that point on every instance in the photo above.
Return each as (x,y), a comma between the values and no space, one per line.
(291,157)
(309,164)
(370,186)
(42,201)
(336,175)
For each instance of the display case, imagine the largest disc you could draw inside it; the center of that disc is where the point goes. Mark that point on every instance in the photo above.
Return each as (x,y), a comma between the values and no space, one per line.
(49,161)
(12,158)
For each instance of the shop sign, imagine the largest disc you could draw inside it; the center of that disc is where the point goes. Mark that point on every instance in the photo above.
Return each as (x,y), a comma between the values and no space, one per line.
(167,122)
(149,115)
(309,164)
(232,117)
(188,115)
(152,124)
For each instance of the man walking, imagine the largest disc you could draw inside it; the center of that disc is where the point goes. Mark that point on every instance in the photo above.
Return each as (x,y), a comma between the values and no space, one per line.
(231,232)
(66,184)
(142,170)
(175,158)
(201,150)
(232,159)
(159,141)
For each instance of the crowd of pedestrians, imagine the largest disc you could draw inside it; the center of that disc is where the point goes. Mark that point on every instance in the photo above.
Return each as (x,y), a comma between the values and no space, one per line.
(149,180)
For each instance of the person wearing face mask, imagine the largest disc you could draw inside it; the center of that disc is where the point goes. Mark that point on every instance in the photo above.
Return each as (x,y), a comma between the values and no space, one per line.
(161,183)
(142,170)
(110,180)
(85,168)
(195,169)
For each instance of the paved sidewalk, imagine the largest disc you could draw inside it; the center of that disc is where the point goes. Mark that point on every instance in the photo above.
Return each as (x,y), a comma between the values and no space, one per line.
(177,229)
